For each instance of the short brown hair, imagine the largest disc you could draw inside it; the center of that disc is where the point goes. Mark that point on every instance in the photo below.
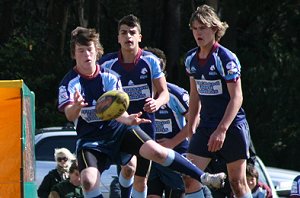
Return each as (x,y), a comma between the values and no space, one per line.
(131,21)
(83,36)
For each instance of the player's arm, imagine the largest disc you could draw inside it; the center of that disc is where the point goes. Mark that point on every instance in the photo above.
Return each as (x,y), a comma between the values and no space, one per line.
(160,86)
(194,108)
(72,111)
(132,119)
(236,99)
(235,103)
(177,139)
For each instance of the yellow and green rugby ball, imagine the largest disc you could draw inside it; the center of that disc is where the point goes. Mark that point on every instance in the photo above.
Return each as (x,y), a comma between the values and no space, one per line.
(112,104)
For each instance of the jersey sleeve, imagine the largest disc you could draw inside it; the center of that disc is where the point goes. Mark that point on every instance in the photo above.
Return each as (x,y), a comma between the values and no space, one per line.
(154,64)
(111,81)
(228,65)
(179,100)
(66,91)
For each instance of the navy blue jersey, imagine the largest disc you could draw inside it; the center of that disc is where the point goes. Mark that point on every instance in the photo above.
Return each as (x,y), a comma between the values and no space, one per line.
(169,119)
(136,80)
(88,125)
(221,67)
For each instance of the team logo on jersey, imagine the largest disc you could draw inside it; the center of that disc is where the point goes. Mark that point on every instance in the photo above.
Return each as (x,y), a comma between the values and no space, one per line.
(130,82)
(163,126)
(212,71)
(185,98)
(232,68)
(193,69)
(209,87)
(63,95)
(144,71)
(89,114)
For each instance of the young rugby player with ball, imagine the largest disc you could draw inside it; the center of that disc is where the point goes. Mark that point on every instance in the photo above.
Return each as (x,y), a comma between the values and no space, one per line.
(102,143)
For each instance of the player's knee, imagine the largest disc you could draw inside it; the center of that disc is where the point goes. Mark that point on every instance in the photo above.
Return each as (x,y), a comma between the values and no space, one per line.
(152,151)
(128,171)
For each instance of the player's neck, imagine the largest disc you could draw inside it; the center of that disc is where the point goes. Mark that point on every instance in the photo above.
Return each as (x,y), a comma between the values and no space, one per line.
(129,56)
(206,50)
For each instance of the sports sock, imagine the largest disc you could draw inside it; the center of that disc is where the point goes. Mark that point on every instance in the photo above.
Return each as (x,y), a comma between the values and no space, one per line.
(96,193)
(198,194)
(136,194)
(125,186)
(181,164)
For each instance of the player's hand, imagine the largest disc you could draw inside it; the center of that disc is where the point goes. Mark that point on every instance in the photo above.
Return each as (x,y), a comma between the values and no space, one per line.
(166,142)
(151,105)
(216,140)
(79,100)
(134,119)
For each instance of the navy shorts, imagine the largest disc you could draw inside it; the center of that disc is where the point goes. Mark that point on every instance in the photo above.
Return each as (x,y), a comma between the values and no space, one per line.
(117,149)
(164,179)
(235,147)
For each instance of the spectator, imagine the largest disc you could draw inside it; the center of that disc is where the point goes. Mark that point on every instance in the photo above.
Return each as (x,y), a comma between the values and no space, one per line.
(70,187)
(258,189)
(63,158)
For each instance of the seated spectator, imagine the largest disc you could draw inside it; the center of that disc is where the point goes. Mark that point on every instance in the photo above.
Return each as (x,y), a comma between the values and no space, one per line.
(63,158)
(259,189)
(295,191)
(70,187)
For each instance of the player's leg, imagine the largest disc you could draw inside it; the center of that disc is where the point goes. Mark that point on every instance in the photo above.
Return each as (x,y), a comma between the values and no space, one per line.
(126,177)
(89,167)
(236,151)
(173,183)
(167,157)
(193,188)
(140,178)
(198,153)
(237,178)
(138,143)
(155,184)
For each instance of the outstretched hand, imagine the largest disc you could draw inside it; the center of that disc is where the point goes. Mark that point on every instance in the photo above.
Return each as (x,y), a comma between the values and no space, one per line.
(79,100)
(132,119)
(135,119)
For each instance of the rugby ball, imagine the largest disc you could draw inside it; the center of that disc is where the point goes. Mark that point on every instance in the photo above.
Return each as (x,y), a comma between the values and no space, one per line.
(112,104)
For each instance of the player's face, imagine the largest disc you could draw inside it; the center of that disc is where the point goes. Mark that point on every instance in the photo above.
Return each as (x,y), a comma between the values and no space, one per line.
(203,35)
(85,56)
(129,37)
